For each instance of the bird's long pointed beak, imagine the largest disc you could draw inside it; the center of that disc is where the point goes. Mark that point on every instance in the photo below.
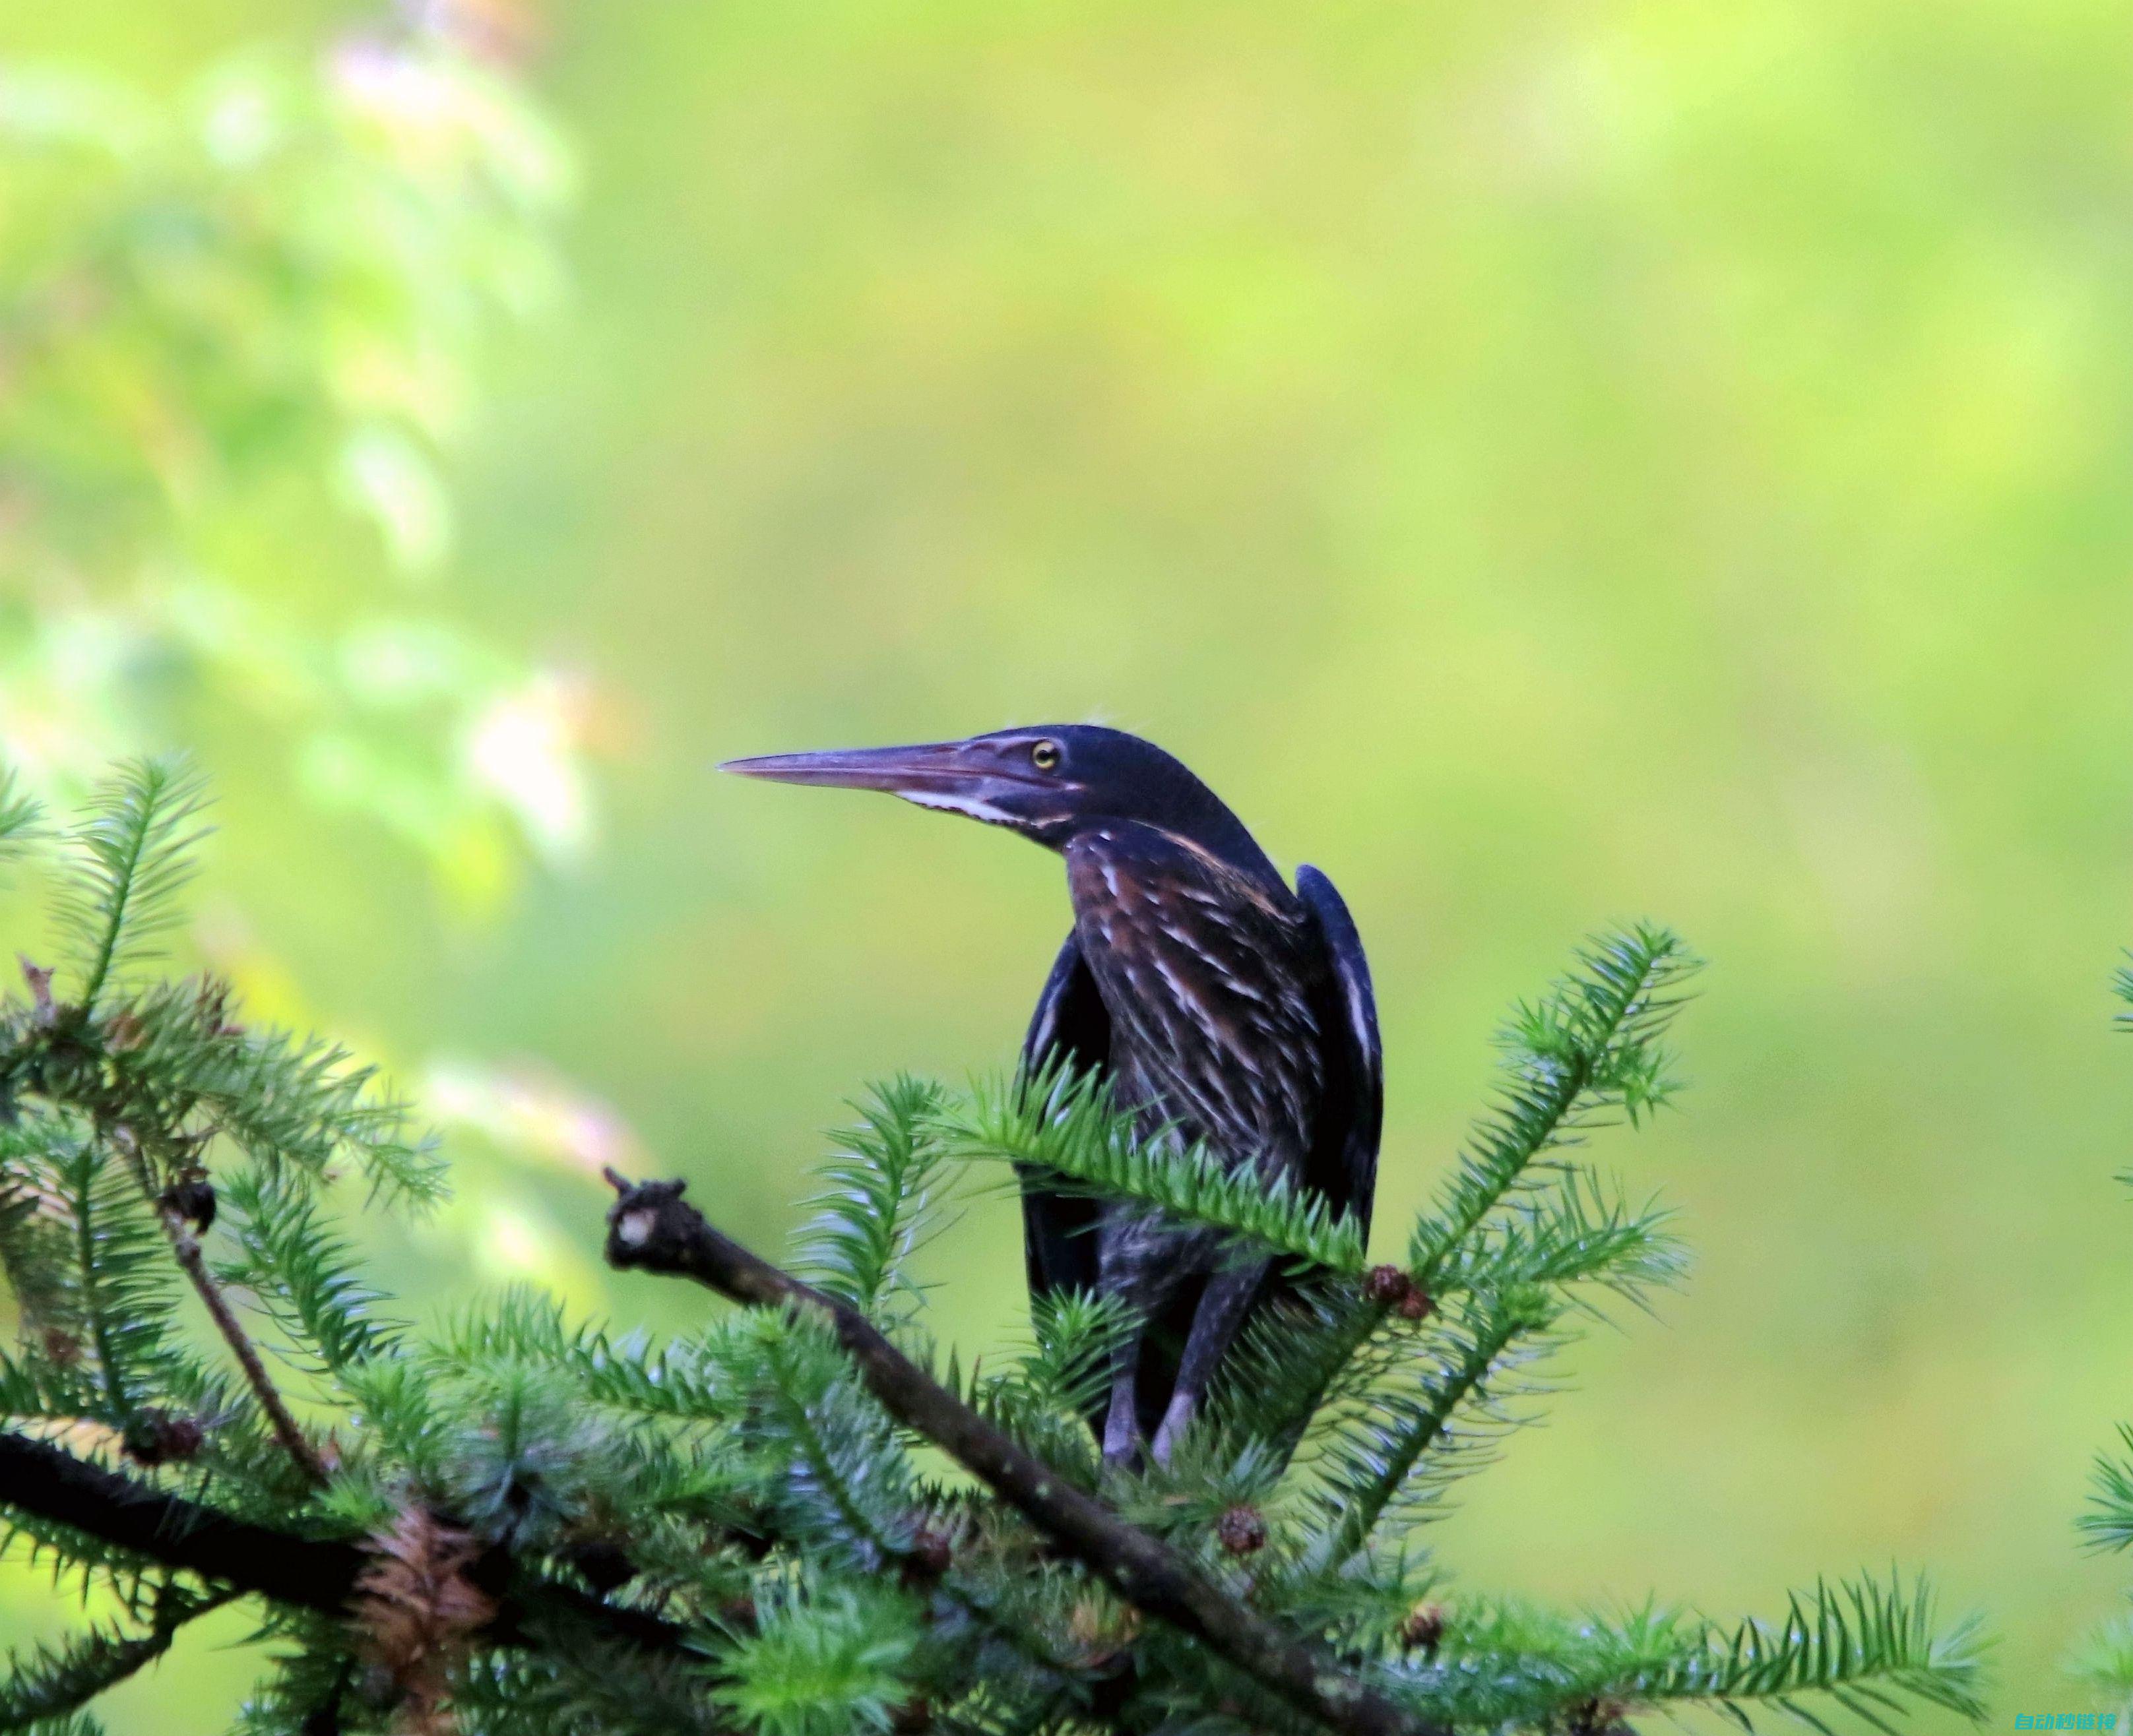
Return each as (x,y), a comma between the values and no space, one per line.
(981,778)
(927,768)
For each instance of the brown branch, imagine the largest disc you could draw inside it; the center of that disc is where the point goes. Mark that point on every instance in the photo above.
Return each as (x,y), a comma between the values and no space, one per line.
(185,1245)
(307,1573)
(651,1229)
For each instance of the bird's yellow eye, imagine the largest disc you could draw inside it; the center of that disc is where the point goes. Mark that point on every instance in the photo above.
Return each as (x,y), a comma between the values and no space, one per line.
(1045,756)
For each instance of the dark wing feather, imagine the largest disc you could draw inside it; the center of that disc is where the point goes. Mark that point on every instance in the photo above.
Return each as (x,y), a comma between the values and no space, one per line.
(1069,1027)
(1344,1158)
(1208,974)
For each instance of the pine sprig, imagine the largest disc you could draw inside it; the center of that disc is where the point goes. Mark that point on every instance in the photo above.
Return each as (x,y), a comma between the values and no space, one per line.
(1515,1211)
(2105,1660)
(2108,1523)
(303,1276)
(32,1389)
(1861,1644)
(289,1102)
(877,1200)
(1390,1452)
(35,1243)
(21,817)
(47,1683)
(1577,1230)
(84,1567)
(1045,1396)
(572,1686)
(1593,1048)
(123,1296)
(825,1660)
(702,1380)
(134,854)
(1065,1124)
(1863,1647)
(849,1479)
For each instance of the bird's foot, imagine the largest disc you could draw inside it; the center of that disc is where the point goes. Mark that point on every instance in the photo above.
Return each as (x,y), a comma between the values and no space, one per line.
(1176,1420)
(1123,1450)
(1123,1440)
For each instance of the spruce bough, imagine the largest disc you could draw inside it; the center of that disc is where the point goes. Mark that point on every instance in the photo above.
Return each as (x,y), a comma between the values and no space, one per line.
(802,1516)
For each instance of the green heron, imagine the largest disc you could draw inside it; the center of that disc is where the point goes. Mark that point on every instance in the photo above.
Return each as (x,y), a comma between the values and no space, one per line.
(1220,1004)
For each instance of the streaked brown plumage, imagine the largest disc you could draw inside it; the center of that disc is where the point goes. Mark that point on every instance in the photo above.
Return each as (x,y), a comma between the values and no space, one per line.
(1209,978)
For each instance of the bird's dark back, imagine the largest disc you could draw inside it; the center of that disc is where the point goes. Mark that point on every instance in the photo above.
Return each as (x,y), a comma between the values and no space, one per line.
(1212,981)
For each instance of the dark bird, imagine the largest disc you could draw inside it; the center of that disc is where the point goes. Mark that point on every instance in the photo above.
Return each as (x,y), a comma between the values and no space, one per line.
(1217,1002)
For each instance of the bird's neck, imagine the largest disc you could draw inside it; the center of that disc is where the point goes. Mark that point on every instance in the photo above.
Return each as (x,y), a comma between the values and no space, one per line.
(1221,835)
(1230,841)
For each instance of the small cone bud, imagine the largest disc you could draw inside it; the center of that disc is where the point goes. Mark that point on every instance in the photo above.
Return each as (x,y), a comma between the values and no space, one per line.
(1241,1530)
(1386,1285)
(157,1437)
(931,1555)
(193,1200)
(1424,1629)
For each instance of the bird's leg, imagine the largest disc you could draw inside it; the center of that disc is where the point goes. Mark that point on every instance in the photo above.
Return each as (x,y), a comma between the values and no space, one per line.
(1214,1322)
(1138,1263)
(1122,1436)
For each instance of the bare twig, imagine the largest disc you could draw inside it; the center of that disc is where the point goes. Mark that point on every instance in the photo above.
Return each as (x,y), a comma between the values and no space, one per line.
(185,1245)
(650,1229)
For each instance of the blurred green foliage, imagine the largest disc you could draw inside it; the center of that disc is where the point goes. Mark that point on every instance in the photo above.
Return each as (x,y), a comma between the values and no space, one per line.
(1541,465)
(239,324)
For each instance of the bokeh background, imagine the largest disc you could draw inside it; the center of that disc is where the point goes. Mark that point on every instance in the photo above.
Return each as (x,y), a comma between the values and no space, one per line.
(1545,464)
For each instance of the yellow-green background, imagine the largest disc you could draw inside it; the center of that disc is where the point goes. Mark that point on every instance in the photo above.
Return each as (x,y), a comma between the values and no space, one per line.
(1543,464)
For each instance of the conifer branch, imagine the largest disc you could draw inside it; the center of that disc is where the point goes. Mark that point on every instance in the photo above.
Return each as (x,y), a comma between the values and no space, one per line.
(1593,1045)
(875,1207)
(53,1681)
(318,1574)
(185,1245)
(300,1273)
(21,816)
(2108,1523)
(1066,1124)
(185,1249)
(40,1478)
(137,842)
(1859,1643)
(865,1480)
(1381,1454)
(97,1313)
(650,1229)
(1865,1645)
(517,1490)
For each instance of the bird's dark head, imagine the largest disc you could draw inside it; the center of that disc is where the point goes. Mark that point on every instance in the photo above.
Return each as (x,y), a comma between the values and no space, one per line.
(1047,782)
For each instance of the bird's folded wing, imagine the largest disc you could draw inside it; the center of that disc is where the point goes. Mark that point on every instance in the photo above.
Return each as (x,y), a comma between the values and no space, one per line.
(1344,1160)
(1069,1028)
(1208,976)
